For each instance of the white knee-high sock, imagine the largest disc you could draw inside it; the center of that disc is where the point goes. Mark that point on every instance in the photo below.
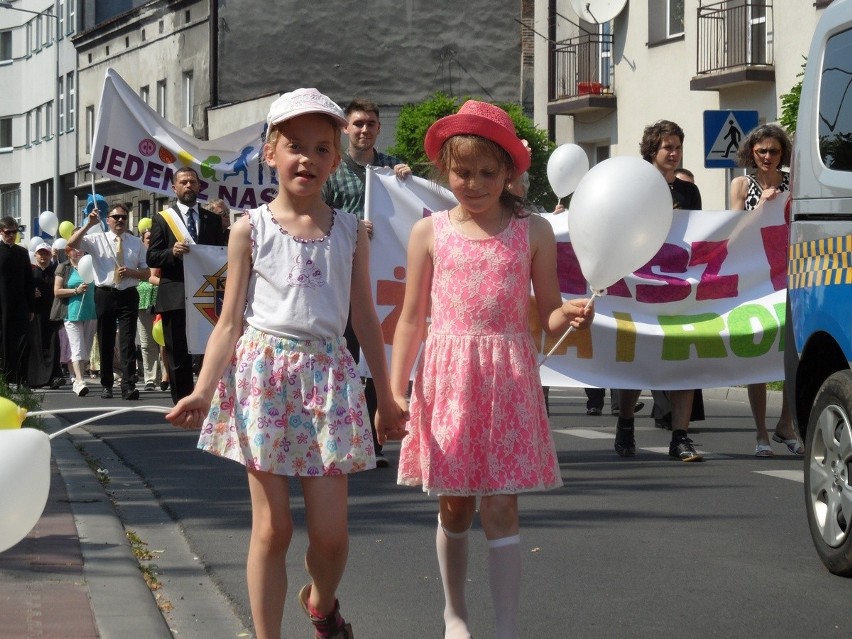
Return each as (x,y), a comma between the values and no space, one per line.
(452,560)
(504,564)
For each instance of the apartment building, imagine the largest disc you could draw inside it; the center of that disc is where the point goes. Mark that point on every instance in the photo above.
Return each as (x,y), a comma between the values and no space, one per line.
(38,119)
(604,69)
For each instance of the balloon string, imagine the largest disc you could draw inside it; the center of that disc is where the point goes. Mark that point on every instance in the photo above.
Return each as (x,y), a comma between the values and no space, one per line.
(103,414)
(569,331)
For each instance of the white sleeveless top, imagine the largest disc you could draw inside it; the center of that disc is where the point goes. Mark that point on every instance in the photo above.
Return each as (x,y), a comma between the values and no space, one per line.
(299,289)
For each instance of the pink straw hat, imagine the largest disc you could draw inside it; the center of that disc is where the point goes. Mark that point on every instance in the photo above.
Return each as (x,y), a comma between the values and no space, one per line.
(482,119)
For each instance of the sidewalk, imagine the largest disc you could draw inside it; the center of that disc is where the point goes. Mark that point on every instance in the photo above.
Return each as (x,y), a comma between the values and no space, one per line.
(74,575)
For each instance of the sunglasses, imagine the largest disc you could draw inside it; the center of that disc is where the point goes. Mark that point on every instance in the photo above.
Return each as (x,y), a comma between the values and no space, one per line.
(118,217)
(769,152)
(10,231)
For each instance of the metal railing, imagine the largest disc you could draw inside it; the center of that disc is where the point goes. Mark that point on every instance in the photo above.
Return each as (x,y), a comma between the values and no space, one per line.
(581,65)
(734,34)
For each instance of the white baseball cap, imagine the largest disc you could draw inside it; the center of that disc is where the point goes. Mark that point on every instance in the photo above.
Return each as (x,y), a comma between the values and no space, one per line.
(300,102)
(44,246)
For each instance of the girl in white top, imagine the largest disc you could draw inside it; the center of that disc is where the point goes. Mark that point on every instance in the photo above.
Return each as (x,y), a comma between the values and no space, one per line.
(286,399)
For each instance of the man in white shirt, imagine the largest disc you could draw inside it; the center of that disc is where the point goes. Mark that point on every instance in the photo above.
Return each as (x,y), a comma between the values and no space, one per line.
(118,261)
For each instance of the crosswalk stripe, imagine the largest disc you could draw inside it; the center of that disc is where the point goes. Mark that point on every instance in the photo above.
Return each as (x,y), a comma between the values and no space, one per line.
(792,475)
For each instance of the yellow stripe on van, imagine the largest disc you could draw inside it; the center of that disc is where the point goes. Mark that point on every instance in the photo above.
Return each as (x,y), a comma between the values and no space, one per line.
(823,262)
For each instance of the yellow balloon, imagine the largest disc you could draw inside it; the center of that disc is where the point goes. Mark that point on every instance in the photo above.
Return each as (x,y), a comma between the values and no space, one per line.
(11,415)
(157,333)
(66,229)
(144,224)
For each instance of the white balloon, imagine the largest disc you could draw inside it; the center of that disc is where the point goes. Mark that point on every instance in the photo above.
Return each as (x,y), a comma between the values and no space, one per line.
(566,166)
(48,222)
(618,219)
(60,243)
(35,240)
(24,482)
(86,269)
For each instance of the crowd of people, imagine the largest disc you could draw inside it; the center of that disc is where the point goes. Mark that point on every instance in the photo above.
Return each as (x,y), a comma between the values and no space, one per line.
(278,390)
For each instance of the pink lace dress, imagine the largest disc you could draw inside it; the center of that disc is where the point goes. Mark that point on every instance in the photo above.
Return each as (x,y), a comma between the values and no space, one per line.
(478,422)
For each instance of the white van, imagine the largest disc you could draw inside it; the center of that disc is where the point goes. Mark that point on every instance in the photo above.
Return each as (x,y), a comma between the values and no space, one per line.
(819,314)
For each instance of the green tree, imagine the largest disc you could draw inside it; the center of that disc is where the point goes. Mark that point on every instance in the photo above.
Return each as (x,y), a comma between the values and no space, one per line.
(415,120)
(790,103)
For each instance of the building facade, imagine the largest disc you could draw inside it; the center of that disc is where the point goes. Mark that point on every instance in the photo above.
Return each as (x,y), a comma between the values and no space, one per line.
(38,118)
(598,84)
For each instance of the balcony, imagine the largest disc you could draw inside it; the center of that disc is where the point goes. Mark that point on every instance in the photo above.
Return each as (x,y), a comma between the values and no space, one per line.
(735,45)
(581,76)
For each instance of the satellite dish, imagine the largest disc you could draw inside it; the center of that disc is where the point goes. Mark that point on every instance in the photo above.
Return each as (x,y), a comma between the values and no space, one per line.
(598,10)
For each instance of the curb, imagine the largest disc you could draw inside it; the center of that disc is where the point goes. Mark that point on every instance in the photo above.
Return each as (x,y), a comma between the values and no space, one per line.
(122,603)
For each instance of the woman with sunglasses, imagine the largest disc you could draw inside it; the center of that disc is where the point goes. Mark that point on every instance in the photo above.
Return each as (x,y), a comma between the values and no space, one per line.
(764,151)
(80,321)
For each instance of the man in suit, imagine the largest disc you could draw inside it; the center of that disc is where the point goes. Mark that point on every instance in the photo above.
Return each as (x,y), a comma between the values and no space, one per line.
(195,225)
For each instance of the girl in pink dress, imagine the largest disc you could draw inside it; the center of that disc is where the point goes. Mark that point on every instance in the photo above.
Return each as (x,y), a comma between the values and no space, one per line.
(478,425)
(278,391)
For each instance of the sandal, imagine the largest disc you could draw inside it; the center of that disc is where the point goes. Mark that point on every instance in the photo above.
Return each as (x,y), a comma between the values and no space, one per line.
(794,444)
(332,626)
(763,450)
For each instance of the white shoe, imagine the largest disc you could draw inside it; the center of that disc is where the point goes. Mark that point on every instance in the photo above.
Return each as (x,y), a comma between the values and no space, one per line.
(80,389)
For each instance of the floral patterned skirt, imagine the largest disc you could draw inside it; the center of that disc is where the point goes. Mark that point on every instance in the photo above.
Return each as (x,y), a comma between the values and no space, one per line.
(290,407)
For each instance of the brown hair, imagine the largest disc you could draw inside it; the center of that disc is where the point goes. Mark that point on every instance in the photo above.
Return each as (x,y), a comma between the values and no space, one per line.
(745,154)
(361,104)
(653,136)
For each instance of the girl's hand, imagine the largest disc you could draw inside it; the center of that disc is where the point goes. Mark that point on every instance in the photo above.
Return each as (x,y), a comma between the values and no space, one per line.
(390,421)
(189,413)
(578,315)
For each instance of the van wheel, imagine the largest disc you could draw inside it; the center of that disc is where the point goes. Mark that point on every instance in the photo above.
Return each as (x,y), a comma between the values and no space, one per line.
(828,466)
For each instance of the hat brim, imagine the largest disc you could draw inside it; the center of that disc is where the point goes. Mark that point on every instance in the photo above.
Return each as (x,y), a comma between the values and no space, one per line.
(472,124)
(297,112)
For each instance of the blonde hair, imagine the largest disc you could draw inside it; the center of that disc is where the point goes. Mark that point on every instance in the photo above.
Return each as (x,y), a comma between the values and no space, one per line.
(459,148)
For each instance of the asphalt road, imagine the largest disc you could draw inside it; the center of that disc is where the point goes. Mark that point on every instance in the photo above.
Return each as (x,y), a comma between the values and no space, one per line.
(648,547)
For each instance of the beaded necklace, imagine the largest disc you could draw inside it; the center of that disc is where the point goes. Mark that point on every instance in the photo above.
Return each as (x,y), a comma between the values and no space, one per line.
(302,240)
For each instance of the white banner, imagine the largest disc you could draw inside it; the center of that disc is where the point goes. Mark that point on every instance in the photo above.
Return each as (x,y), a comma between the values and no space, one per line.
(205,269)
(136,146)
(707,311)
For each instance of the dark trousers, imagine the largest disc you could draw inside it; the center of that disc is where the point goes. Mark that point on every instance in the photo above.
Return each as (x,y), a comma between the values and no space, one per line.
(595,398)
(117,308)
(179,360)
(369,387)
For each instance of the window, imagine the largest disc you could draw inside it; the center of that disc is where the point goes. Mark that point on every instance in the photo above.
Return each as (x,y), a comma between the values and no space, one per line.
(29,127)
(61,16)
(40,197)
(29,31)
(69,102)
(145,94)
(10,203)
(37,125)
(48,120)
(71,17)
(61,104)
(665,20)
(186,17)
(5,135)
(90,127)
(835,103)
(161,97)
(5,46)
(674,15)
(38,35)
(188,98)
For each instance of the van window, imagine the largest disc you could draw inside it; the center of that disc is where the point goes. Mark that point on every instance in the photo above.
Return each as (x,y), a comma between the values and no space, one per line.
(835,103)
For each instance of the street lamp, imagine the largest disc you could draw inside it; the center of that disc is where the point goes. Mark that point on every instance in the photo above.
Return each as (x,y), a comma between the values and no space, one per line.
(55,16)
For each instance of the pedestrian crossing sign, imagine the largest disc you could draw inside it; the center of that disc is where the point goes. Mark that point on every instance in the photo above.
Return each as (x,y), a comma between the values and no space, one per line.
(724,131)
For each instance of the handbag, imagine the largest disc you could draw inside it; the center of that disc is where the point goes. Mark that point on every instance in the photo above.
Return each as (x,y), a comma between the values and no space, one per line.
(59,308)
